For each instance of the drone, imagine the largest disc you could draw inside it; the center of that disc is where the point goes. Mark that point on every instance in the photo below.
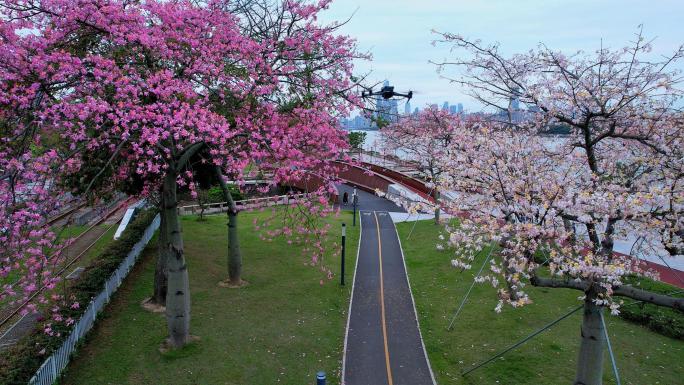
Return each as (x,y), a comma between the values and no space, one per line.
(387,92)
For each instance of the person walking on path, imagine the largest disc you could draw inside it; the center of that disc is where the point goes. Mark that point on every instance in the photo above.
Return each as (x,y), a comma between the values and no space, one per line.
(345,198)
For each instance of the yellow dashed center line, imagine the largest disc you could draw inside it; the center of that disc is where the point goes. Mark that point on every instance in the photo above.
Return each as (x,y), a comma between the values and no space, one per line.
(382,304)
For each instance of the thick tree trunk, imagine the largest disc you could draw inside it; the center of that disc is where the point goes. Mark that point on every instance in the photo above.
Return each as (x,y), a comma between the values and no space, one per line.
(160,270)
(590,360)
(234,254)
(178,296)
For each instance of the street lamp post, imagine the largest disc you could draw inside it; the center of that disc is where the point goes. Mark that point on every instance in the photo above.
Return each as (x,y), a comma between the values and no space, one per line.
(355,198)
(344,241)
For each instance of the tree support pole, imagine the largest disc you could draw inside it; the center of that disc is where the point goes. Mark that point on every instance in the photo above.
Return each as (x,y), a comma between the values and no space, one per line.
(451,324)
(523,341)
(610,350)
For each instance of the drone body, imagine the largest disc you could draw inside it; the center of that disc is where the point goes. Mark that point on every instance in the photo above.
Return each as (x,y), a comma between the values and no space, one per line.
(387,92)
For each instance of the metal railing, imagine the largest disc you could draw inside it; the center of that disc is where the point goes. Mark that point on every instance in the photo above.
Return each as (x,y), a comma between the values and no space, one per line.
(53,366)
(247,204)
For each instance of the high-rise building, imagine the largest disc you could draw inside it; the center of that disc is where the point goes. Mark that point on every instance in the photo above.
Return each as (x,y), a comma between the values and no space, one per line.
(514,101)
(407,108)
(514,111)
(416,111)
(386,109)
(445,106)
(514,104)
(453,109)
(460,108)
(394,110)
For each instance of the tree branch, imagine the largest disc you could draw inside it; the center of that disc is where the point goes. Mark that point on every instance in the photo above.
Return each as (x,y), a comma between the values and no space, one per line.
(622,291)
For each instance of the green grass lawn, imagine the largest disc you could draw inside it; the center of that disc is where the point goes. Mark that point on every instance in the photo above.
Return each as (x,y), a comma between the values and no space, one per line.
(643,357)
(71,231)
(99,245)
(280,329)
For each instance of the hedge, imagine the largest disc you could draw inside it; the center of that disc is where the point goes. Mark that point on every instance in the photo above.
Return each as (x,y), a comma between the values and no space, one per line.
(663,320)
(666,321)
(20,362)
(216,194)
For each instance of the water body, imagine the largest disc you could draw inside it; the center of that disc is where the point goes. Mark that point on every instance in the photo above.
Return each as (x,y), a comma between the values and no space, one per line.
(373,140)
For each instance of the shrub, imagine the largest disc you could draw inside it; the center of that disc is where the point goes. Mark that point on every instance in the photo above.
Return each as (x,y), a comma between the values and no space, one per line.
(216,194)
(20,362)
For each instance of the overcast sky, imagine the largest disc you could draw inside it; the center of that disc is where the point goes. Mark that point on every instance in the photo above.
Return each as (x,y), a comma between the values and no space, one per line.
(398,32)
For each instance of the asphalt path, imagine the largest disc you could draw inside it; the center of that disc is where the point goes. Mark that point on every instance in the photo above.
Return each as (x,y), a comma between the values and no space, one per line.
(383,343)
(366,200)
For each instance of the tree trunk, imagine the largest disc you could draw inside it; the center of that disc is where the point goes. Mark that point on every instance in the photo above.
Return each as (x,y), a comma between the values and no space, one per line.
(570,228)
(437,209)
(234,254)
(590,360)
(178,296)
(160,270)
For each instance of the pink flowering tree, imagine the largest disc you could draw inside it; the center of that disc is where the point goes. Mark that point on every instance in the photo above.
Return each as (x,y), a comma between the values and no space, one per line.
(293,129)
(29,250)
(425,139)
(617,175)
(150,86)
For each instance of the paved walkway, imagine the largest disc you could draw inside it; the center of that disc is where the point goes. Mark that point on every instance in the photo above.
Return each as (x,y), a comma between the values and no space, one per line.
(366,200)
(383,343)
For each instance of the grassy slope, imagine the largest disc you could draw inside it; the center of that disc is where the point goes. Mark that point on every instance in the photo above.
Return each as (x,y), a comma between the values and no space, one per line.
(71,232)
(643,357)
(281,328)
(97,248)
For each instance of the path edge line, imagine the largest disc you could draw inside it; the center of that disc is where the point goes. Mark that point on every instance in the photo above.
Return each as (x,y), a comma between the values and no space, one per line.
(383,318)
(351,299)
(413,302)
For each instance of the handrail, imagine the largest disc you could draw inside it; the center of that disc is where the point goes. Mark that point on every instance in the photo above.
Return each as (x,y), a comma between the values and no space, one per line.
(245,203)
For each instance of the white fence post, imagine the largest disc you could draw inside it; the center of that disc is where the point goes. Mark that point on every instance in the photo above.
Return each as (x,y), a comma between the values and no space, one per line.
(54,367)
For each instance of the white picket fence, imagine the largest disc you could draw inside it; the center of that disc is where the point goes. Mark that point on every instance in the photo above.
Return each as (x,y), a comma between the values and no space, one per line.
(53,366)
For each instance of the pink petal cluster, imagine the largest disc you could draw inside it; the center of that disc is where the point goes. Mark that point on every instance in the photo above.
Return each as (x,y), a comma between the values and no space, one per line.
(128,88)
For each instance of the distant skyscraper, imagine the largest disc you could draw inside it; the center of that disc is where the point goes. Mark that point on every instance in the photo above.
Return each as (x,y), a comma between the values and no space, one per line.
(445,106)
(514,101)
(453,109)
(407,108)
(514,111)
(514,104)
(415,111)
(460,107)
(386,109)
